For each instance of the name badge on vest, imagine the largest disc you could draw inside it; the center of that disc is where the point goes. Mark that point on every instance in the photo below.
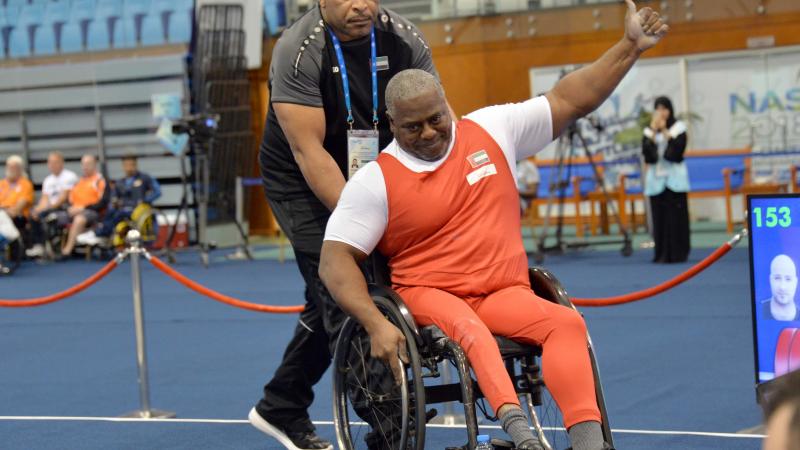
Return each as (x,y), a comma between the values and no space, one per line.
(362,148)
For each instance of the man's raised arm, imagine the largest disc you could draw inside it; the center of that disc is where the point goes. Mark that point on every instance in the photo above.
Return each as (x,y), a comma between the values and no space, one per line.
(339,270)
(582,91)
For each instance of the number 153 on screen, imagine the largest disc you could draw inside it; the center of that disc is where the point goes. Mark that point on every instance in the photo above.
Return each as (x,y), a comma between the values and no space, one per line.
(772,216)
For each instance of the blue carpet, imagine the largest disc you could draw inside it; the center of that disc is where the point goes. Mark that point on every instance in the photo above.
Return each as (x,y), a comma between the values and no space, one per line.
(680,361)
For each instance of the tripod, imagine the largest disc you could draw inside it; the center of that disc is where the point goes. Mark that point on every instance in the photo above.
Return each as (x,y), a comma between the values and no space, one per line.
(566,151)
(199,148)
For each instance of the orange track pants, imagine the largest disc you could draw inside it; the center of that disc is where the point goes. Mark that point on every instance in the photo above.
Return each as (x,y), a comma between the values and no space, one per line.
(517,313)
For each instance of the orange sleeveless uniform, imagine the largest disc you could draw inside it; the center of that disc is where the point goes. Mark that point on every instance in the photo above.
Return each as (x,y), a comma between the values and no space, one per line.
(87,191)
(456,256)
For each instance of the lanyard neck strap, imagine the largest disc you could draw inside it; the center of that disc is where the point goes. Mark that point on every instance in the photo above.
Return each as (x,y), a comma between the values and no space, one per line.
(346,81)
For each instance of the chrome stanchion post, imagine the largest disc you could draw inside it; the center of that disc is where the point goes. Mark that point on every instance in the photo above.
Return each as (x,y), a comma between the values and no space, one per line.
(135,251)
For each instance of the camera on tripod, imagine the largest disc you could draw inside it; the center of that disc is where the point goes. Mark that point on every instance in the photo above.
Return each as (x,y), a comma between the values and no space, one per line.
(200,127)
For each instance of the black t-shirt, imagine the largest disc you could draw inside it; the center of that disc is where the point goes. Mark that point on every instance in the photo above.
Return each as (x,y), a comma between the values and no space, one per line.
(304,71)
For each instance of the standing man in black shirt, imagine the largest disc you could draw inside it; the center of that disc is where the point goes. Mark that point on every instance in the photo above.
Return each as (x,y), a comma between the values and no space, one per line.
(326,119)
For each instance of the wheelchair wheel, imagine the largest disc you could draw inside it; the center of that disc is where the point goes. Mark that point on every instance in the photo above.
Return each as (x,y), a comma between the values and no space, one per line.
(545,414)
(393,415)
(543,409)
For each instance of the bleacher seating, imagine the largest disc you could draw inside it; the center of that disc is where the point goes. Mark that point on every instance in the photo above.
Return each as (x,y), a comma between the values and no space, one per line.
(98,107)
(48,27)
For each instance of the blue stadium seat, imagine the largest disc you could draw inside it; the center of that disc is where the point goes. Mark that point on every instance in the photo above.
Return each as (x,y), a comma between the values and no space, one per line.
(5,30)
(29,23)
(274,15)
(81,15)
(45,41)
(162,6)
(134,12)
(18,43)
(56,14)
(152,30)
(97,36)
(107,29)
(180,22)
(71,38)
(16,3)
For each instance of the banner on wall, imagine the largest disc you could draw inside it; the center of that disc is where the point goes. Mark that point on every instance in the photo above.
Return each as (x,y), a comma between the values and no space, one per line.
(739,100)
(614,130)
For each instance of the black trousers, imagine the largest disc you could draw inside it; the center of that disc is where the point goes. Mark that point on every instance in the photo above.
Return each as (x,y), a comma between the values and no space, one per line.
(289,394)
(670,227)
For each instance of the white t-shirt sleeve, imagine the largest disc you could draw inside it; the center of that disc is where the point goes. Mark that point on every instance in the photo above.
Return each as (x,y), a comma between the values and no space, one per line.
(362,214)
(70,180)
(520,129)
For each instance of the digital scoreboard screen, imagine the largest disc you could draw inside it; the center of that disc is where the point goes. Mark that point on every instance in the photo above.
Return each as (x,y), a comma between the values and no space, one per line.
(774,226)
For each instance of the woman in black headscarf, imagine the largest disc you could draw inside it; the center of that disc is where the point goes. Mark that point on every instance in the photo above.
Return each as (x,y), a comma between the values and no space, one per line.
(667,182)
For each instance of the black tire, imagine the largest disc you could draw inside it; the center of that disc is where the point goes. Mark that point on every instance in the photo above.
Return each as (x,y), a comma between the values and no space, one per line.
(351,355)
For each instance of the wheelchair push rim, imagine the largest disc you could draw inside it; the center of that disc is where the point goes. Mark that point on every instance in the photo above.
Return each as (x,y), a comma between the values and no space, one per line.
(408,396)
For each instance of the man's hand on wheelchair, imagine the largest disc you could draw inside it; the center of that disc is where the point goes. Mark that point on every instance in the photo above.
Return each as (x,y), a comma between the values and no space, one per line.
(389,345)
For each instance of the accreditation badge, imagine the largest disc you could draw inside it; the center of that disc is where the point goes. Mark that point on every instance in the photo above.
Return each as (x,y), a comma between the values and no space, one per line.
(362,148)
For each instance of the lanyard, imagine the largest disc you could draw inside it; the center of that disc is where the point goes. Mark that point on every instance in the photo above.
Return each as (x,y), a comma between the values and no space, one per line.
(346,83)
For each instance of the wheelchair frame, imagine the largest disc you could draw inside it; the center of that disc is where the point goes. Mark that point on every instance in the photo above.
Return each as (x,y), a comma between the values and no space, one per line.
(429,346)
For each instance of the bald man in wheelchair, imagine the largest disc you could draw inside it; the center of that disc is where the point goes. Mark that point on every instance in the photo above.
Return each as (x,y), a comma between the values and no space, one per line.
(441,204)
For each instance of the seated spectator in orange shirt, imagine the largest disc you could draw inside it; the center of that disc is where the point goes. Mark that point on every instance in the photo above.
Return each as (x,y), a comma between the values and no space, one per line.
(87,199)
(16,198)
(16,195)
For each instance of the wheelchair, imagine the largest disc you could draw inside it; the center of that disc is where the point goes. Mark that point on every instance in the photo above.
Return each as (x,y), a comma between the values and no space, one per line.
(397,413)
(144,219)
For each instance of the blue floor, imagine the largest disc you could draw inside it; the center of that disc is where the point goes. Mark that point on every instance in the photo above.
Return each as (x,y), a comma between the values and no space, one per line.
(681,361)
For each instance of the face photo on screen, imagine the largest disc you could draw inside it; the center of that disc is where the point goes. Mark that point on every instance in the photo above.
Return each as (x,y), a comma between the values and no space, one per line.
(783,285)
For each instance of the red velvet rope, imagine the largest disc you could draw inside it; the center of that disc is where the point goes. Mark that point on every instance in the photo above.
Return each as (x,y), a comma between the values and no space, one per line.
(214,295)
(39,301)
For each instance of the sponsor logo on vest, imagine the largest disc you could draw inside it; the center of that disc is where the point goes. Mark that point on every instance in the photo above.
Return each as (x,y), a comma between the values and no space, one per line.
(478,159)
(480,173)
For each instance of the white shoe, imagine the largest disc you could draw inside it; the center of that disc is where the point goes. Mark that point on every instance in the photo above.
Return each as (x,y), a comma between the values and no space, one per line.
(313,442)
(35,251)
(88,238)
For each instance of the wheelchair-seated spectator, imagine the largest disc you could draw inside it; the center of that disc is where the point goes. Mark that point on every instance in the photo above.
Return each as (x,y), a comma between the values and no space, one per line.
(441,204)
(135,190)
(16,198)
(55,194)
(87,199)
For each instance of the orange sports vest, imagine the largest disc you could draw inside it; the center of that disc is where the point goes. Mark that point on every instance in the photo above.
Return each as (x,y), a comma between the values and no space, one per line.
(87,191)
(457,228)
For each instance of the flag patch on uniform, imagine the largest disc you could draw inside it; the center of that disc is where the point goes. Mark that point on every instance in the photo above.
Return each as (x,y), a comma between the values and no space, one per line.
(481,173)
(382,63)
(478,159)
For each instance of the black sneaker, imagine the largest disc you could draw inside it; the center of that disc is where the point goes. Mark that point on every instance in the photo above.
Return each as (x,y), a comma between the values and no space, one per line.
(292,440)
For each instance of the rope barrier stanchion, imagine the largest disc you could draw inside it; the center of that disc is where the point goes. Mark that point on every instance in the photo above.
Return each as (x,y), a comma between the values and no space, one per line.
(669,284)
(80,287)
(135,251)
(214,295)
